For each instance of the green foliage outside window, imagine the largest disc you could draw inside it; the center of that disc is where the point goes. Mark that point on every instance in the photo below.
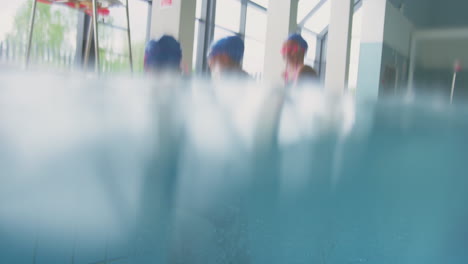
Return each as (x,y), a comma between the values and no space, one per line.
(54,39)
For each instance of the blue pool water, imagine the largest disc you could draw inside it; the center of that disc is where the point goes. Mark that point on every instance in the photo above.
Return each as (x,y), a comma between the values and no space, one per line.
(129,171)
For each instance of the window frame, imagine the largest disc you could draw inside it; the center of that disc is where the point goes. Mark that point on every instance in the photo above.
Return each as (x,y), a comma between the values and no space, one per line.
(83,22)
(320,60)
(207,26)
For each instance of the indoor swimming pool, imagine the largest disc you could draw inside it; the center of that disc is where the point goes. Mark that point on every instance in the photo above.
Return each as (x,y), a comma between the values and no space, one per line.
(128,170)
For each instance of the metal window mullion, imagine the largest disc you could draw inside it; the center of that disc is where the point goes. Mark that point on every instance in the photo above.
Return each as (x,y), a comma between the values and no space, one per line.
(129,36)
(202,29)
(149,19)
(200,45)
(80,40)
(318,54)
(323,32)
(88,44)
(31,31)
(322,44)
(243,19)
(210,16)
(96,35)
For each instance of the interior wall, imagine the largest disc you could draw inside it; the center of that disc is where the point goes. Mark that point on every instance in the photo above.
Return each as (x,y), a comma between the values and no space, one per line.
(442,53)
(394,71)
(395,51)
(435,59)
(398,30)
(385,49)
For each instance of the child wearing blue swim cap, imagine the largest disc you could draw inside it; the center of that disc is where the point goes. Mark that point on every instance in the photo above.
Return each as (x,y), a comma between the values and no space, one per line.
(225,57)
(164,54)
(294,50)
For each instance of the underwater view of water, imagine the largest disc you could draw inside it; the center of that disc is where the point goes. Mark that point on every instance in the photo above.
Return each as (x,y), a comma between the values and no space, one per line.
(130,170)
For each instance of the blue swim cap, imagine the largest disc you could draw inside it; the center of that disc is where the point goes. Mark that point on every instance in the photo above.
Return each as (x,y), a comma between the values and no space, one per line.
(232,46)
(299,40)
(163,53)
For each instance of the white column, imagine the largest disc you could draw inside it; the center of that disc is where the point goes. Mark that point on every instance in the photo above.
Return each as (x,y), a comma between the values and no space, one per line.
(372,38)
(385,43)
(178,21)
(339,43)
(282,20)
(373,21)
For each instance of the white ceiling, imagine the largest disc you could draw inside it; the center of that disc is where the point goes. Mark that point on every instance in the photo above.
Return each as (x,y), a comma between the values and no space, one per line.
(435,13)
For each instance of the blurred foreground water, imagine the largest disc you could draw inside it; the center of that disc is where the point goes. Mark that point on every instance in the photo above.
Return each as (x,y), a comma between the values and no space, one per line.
(141,171)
